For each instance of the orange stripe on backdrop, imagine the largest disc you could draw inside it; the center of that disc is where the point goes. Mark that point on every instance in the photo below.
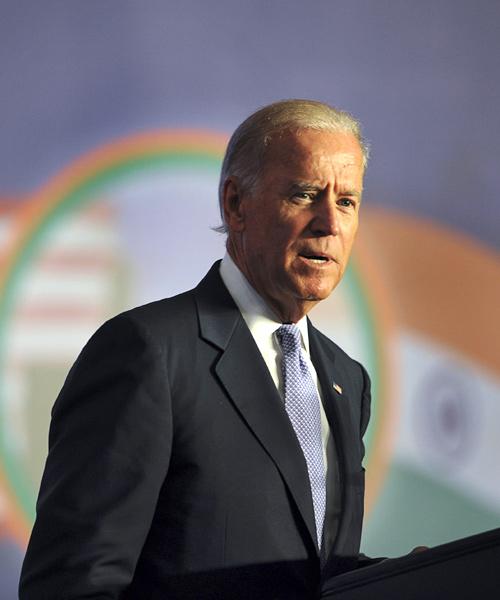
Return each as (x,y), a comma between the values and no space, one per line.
(32,213)
(443,284)
(14,524)
(8,205)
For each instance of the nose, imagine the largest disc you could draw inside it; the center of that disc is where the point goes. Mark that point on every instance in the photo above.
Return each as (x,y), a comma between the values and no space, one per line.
(325,220)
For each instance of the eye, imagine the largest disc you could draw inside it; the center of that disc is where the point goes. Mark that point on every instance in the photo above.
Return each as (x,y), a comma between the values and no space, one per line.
(347,202)
(303,196)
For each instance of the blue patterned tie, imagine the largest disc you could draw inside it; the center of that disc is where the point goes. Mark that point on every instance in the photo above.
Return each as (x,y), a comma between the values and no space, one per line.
(302,406)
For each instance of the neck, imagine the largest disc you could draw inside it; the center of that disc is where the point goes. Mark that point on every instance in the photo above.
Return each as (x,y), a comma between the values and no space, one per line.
(293,314)
(289,312)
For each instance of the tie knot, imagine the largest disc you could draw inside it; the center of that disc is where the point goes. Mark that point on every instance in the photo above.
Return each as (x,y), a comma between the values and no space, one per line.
(289,338)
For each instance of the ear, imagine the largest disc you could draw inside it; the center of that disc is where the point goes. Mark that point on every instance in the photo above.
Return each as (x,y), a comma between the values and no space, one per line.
(234,213)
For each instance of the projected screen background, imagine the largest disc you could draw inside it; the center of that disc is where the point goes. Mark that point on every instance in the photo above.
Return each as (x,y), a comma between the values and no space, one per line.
(114,120)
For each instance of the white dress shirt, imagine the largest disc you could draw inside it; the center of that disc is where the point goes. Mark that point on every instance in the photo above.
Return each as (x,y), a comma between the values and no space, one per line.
(263,324)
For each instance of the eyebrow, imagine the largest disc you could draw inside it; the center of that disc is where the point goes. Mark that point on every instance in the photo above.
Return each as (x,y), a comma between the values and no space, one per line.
(349,193)
(301,186)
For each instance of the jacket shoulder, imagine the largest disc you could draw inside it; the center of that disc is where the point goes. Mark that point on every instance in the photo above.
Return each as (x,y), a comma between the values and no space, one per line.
(163,313)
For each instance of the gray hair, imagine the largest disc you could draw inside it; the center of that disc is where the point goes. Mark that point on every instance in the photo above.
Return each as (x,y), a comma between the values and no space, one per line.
(246,148)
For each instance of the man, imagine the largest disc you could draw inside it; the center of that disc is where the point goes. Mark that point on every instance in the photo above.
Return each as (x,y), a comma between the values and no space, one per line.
(210,445)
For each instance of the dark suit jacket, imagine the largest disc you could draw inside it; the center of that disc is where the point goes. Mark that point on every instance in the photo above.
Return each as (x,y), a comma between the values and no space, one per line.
(174,472)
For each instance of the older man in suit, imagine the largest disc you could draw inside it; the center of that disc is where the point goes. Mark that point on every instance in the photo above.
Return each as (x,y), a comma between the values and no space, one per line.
(209,445)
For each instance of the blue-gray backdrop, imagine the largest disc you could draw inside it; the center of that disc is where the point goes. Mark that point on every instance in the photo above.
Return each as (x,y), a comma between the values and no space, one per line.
(423,77)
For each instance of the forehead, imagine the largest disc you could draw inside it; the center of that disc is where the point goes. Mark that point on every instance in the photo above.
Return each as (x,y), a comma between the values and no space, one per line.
(312,150)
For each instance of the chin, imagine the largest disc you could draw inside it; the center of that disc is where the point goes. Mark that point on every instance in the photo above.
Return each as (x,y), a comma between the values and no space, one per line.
(315,295)
(317,288)
(310,290)
(318,292)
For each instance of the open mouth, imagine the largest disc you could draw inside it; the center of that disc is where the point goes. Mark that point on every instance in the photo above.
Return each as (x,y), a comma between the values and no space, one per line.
(318,259)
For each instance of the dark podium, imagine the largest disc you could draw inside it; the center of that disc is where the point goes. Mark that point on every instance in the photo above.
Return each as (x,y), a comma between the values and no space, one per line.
(466,569)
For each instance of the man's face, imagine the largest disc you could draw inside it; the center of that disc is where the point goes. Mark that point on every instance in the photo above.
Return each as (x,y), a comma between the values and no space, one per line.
(293,234)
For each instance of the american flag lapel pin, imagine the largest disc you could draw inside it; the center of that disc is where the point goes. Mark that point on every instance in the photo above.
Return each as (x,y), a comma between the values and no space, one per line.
(337,388)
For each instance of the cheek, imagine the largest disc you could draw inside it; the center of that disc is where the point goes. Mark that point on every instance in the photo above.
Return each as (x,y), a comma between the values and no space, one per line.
(272,242)
(350,235)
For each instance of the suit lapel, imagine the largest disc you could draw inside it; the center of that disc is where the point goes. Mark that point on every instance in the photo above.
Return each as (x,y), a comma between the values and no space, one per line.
(334,403)
(246,378)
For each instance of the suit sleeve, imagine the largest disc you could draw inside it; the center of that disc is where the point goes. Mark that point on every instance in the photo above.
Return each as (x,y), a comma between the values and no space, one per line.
(109,448)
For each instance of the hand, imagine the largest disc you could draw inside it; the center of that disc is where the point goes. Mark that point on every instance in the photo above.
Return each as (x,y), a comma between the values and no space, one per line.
(419,549)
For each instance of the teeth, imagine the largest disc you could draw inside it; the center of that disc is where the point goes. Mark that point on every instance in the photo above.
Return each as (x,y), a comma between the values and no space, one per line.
(316,259)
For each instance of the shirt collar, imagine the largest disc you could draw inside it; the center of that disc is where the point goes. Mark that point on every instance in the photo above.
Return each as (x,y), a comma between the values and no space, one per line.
(259,318)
